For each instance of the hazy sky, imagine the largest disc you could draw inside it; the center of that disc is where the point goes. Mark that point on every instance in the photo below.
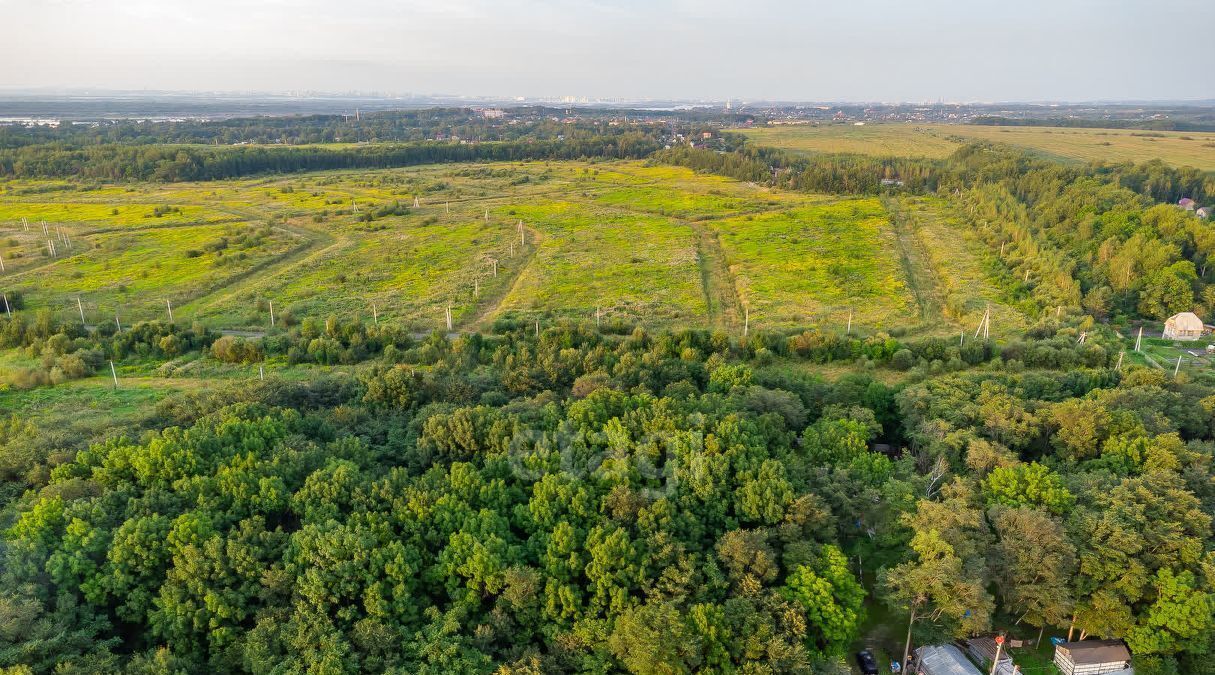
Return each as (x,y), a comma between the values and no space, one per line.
(908,50)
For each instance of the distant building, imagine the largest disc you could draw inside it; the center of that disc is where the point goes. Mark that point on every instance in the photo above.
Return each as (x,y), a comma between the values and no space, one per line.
(493,113)
(1186,203)
(941,660)
(1093,657)
(1205,211)
(1183,326)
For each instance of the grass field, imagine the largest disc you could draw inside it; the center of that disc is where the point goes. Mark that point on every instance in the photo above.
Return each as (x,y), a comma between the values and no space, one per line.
(816,263)
(657,245)
(938,140)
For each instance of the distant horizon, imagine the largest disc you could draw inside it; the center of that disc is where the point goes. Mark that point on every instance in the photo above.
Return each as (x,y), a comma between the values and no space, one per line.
(636,50)
(99,92)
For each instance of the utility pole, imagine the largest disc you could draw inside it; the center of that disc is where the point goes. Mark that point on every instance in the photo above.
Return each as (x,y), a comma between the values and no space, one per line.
(7,310)
(996,662)
(848,331)
(375,316)
(169,304)
(1177,368)
(80,307)
(1139,338)
(118,323)
(1,263)
(114,374)
(271,313)
(746,321)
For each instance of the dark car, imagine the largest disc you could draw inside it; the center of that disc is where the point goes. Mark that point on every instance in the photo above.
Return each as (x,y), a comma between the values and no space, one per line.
(868,664)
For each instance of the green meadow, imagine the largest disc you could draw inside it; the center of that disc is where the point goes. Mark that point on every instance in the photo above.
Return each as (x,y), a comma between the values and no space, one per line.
(905,139)
(656,245)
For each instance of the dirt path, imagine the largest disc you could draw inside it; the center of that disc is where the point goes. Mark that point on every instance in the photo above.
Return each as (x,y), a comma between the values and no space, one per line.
(921,276)
(491,303)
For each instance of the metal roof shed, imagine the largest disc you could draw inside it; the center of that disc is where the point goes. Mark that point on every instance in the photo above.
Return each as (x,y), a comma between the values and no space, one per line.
(942,660)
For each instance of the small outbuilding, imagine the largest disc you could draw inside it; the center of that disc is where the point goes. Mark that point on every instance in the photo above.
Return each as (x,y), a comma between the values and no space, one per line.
(1205,212)
(1093,657)
(1186,203)
(1183,326)
(941,660)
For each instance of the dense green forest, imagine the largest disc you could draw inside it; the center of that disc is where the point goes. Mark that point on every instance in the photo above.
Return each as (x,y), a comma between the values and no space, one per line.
(589,502)
(536,123)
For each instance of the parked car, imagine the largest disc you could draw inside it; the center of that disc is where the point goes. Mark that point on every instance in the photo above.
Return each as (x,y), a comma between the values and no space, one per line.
(868,664)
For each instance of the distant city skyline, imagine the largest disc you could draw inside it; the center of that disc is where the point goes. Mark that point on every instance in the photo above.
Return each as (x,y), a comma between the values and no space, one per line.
(867,50)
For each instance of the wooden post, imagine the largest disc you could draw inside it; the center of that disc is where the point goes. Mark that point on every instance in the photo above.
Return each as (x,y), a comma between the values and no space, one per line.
(449,316)
(375,316)
(271,313)
(7,310)
(261,372)
(1177,368)
(746,321)
(1002,248)
(495,267)
(487,215)
(1,263)
(848,331)
(476,287)
(597,321)
(80,307)
(522,241)
(1119,366)
(512,249)
(537,327)
(447,206)
(1139,339)
(962,338)
(907,644)
(169,304)
(114,374)
(118,323)
(1026,279)
(416,202)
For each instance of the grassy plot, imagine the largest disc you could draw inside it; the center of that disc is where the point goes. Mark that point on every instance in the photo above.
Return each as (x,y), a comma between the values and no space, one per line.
(946,265)
(134,273)
(636,266)
(1195,149)
(411,269)
(815,263)
(893,140)
(107,214)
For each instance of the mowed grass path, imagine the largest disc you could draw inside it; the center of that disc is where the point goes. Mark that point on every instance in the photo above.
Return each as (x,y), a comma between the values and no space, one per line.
(903,139)
(813,264)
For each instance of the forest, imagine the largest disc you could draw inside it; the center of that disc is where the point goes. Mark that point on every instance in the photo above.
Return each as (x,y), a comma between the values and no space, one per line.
(588,502)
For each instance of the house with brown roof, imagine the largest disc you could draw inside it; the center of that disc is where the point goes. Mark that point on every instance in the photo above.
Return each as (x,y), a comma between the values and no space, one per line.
(1093,657)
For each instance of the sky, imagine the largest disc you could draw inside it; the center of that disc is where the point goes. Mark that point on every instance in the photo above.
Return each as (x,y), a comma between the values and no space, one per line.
(846,50)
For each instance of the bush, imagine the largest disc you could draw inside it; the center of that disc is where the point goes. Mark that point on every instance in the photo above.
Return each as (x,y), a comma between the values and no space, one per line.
(903,359)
